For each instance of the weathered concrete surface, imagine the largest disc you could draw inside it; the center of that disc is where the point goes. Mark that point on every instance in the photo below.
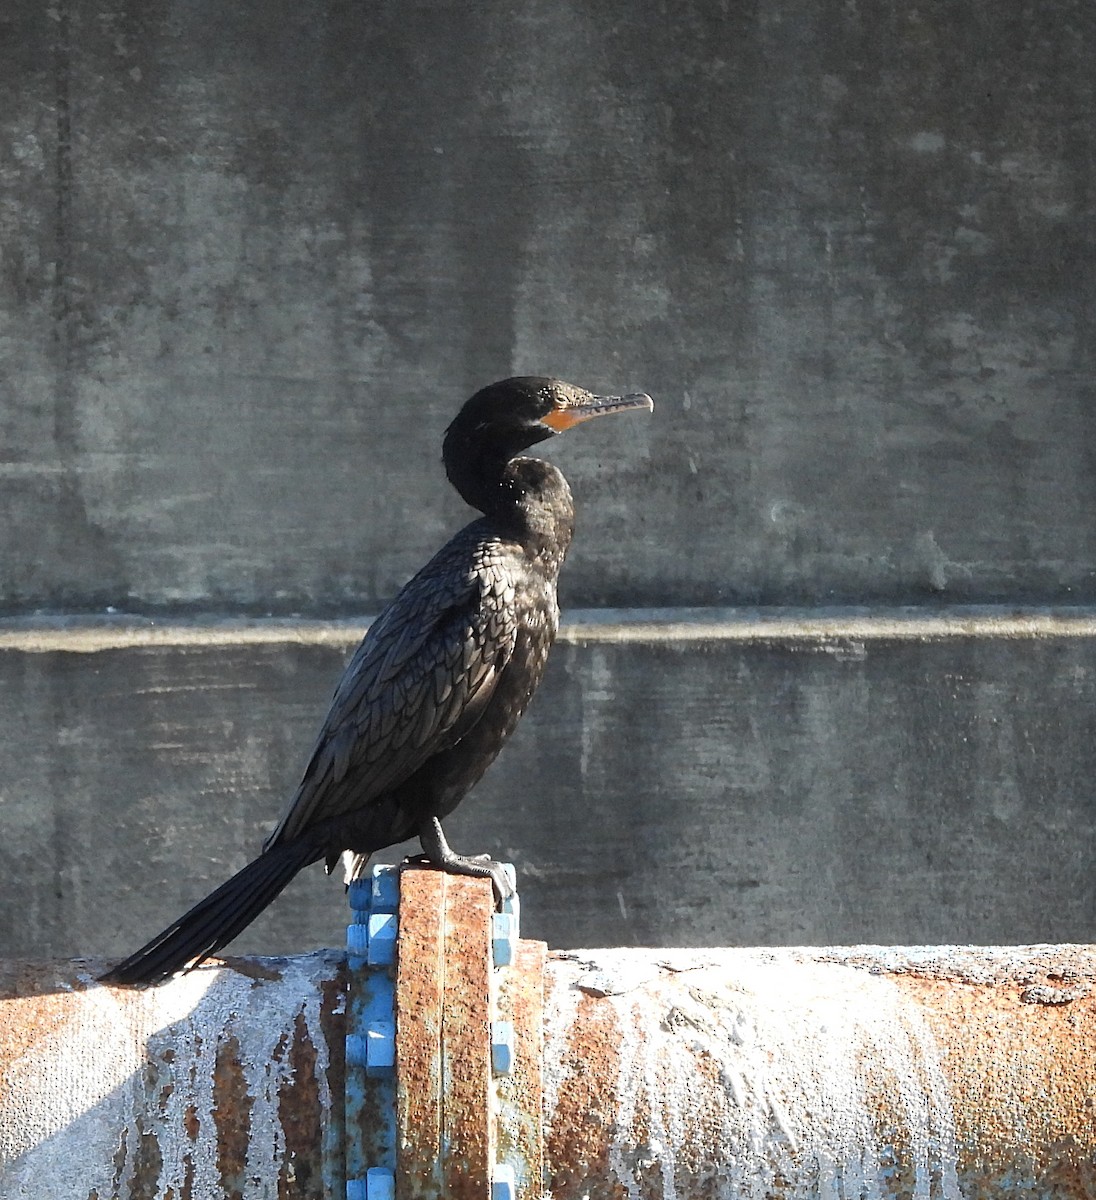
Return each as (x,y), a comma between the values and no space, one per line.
(659,792)
(254,255)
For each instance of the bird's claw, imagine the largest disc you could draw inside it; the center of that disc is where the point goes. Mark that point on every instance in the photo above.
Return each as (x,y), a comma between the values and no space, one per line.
(479,866)
(501,883)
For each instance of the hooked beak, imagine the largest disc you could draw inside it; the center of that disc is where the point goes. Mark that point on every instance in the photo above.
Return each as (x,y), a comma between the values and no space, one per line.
(574,412)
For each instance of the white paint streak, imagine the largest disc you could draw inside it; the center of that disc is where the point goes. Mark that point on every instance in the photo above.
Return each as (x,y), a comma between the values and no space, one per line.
(807,1078)
(597,694)
(142,1062)
(628,1157)
(664,1138)
(561,1003)
(69,1087)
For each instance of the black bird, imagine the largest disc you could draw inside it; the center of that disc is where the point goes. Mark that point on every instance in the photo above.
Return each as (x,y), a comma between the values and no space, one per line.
(439,682)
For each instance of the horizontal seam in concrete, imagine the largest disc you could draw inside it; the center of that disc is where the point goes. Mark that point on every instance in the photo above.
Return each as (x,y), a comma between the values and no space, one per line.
(87,634)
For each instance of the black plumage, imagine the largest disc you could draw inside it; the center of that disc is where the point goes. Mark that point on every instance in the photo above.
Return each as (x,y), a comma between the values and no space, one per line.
(439,682)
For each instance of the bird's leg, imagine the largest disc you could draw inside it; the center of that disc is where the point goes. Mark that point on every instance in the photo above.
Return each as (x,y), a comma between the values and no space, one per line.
(355,866)
(438,854)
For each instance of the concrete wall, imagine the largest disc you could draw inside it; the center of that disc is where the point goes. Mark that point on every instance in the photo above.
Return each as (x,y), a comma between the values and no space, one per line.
(252,258)
(672,791)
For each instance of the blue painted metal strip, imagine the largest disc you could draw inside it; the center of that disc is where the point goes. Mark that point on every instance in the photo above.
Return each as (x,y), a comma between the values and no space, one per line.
(370,1041)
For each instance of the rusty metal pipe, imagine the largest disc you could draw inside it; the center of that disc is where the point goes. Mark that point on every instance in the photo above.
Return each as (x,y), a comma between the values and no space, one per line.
(222,1083)
(821,1073)
(940,1072)
(935,1073)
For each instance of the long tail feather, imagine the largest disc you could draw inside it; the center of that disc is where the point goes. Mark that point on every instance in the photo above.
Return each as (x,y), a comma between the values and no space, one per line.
(213,922)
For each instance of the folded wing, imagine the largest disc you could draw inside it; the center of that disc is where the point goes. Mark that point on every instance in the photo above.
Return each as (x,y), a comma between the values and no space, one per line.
(415,686)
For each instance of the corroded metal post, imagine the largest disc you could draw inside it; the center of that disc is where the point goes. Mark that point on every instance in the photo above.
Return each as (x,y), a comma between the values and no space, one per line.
(443,996)
(469,1046)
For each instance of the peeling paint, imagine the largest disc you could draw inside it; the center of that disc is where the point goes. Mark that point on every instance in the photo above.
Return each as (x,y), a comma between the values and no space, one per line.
(752,1077)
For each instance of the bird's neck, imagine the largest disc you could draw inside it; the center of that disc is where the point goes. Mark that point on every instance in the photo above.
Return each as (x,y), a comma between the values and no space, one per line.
(476,470)
(524,498)
(537,510)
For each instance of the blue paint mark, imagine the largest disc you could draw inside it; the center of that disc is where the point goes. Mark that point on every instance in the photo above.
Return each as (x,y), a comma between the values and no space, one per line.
(371,1037)
(504,938)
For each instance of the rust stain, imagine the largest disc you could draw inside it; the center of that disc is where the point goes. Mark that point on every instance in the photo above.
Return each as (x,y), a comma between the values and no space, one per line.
(697,1171)
(636,1150)
(646,1168)
(190,1122)
(232,1113)
(333,1017)
(467,1119)
(583,1124)
(1020,1079)
(521,1094)
(118,1162)
(333,1004)
(895,1137)
(35,1004)
(419,982)
(147,1164)
(981,965)
(299,1113)
(652,1080)
(154,1147)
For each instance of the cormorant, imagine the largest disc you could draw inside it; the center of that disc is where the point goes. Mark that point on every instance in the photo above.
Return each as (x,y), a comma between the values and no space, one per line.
(439,682)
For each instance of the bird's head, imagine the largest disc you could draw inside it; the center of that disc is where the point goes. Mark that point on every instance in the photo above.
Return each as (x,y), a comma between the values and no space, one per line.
(505,418)
(514,414)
